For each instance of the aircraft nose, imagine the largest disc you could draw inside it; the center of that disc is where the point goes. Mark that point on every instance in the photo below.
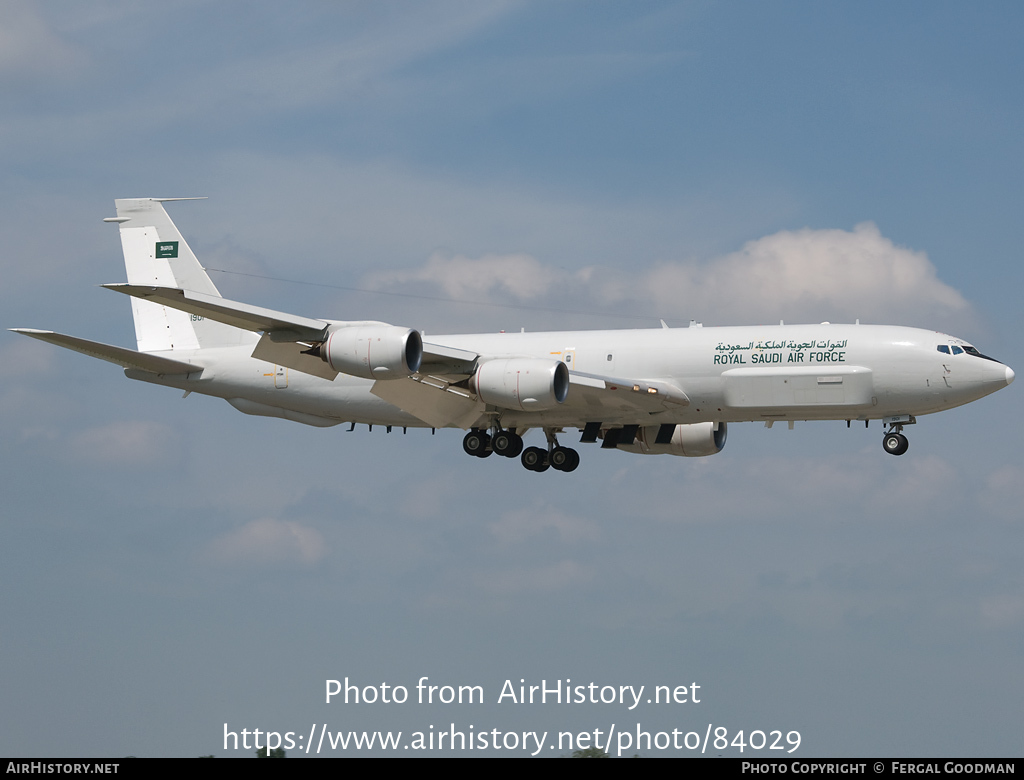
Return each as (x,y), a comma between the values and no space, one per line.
(1009,375)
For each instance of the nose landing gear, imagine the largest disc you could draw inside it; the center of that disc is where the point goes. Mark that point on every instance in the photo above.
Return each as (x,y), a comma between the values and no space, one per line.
(894,442)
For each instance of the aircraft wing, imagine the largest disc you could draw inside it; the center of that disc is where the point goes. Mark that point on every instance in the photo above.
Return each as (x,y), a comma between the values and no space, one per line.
(285,327)
(431,394)
(626,395)
(440,403)
(128,358)
(447,361)
(432,399)
(286,337)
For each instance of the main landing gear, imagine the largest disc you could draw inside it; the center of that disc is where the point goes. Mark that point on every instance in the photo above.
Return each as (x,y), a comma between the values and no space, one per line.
(506,443)
(509,444)
(477,443)
(558,458)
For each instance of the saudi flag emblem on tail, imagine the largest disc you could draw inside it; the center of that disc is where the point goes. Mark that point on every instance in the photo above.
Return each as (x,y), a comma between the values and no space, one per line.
(166,248)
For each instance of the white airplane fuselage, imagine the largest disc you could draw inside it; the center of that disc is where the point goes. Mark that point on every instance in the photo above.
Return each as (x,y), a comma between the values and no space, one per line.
(730,374)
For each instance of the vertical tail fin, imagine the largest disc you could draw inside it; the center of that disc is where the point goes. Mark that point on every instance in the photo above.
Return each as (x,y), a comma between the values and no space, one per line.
(156,254)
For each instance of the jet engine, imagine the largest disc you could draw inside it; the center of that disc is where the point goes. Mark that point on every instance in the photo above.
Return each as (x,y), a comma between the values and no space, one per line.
(373,351)
(525,384)
(695,440)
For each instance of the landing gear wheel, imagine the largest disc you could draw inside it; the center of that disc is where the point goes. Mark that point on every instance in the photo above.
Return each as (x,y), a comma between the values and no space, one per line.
(517,446)
(501,443)
(564,459)
(559,457)
(507,444)
(574,462)
(535,459)
(895,443)
(477,444)
(904,446)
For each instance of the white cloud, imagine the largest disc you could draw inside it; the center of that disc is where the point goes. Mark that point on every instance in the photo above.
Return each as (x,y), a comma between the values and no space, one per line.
(269,541)
(292,69)
(137,443)
(462,277)
(542,579)
(521,524)
(801,276)
(755,489)
(1003,610)
(1004,493)
(810,274)
(27,356)
(28,46)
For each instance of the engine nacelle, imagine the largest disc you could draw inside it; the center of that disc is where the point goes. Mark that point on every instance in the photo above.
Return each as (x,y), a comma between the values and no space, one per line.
(695,440)
(526,384)
(374,351)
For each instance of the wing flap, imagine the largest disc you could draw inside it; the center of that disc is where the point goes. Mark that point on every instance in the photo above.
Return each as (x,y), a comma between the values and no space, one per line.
(649,395)
(128,358)
(432,400)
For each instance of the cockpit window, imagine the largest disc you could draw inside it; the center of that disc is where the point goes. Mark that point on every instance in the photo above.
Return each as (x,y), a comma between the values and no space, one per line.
(973,351)
(953,349)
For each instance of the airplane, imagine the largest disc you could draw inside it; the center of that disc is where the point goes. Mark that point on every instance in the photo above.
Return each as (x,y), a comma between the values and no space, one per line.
(647,391)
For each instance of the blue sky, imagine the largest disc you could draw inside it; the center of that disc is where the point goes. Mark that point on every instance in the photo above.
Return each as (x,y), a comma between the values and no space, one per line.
(170,565)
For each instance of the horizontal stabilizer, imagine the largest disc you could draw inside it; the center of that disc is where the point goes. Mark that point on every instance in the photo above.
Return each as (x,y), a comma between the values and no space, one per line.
(128,358)
(238,315)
